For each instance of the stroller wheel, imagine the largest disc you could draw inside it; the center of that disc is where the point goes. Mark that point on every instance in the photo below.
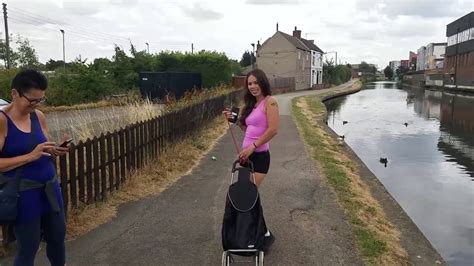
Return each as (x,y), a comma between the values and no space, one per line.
(261,255)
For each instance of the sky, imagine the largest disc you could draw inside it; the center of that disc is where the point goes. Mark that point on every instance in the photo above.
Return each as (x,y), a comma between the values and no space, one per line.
(375,31)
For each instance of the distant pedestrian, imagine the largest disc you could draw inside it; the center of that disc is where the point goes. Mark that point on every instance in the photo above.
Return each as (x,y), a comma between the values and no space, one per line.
(25,151)
(259,119)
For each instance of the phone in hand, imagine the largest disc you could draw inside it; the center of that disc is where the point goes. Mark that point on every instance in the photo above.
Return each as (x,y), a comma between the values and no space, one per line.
(65,143)
(234,114)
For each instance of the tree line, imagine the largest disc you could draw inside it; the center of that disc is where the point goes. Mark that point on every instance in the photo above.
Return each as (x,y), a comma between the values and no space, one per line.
(82,80)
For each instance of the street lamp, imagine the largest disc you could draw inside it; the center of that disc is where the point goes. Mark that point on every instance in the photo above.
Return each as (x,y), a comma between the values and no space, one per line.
(147,47)
(64,51)
(251,56)
(332,52)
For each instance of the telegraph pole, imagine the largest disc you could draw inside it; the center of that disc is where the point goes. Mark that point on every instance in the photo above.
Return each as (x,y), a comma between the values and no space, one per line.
(7,38)
(192,47)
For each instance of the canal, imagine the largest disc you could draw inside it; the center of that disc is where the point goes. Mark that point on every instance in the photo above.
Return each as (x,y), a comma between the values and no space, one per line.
(427,138)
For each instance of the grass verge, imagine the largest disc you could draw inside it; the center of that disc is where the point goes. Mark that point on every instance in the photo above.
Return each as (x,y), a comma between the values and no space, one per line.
(378,241)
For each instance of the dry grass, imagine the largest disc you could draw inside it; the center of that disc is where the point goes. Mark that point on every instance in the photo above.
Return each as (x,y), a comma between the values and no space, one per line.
(179,160)
(88,123)
(85,126)
(378,240)
(48,109)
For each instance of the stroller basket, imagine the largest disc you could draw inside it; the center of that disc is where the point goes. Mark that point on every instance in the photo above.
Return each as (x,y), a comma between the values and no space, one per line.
(243,228)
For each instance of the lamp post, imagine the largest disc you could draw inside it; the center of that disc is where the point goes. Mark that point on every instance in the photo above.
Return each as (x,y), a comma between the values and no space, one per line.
(147,47)
(64,51)
(251,56)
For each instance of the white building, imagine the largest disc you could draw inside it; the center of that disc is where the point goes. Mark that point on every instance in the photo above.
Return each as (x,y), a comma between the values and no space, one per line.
(394,65)
(434,57)
(421,58)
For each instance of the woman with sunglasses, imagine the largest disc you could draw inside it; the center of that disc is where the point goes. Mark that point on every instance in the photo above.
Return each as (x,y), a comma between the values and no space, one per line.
(25,150)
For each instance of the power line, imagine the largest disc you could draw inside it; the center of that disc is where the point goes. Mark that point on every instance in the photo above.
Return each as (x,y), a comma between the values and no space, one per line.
(64,24)
(51,24)
(32,20)
(50,27)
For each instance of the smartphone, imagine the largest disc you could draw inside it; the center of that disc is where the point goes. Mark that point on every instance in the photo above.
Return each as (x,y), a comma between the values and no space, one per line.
(235,113)
(66,142)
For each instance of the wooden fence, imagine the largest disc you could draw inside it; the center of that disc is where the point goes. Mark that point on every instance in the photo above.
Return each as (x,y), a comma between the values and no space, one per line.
(95,168)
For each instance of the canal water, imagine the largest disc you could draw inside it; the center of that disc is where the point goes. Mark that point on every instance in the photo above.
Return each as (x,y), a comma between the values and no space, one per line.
(427,138)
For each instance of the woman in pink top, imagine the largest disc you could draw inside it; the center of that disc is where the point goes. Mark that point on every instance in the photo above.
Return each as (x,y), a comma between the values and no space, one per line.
(259,120)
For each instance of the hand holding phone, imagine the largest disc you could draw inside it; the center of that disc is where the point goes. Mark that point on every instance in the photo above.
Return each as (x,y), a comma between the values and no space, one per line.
(234,113)
(66,142)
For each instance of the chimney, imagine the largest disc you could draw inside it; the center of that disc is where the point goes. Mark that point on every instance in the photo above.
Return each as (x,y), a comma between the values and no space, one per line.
(297,33)
(258,45)
(277,26)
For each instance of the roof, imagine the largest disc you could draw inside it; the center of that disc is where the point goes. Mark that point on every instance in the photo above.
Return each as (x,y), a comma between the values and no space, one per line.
(295,41)
(299,43)
(311,45)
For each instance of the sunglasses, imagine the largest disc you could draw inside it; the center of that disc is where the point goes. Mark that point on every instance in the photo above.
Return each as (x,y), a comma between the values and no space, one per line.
(33,101)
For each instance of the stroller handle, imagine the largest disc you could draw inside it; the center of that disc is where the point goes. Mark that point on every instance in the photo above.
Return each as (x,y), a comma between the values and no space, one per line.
(234,165)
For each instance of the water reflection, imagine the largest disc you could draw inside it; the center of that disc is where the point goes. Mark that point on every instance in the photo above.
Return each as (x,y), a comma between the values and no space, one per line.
(427,138)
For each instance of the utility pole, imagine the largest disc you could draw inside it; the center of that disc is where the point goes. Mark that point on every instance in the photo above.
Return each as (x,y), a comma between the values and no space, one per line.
(192,47)
(7,38)
(251,56)
(147,47)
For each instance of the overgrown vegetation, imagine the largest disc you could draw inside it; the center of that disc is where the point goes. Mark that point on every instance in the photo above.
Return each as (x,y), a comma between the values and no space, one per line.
(83,81)
(377,239)
(335,75)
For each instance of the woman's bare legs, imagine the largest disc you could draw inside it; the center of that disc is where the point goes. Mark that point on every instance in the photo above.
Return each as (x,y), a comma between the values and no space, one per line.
(259,178)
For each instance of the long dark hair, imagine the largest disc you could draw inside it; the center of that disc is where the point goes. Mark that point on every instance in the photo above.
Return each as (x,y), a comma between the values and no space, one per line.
(249,99)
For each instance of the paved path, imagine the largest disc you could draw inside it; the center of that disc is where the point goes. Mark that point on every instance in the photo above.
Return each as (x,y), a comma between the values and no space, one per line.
(181,226)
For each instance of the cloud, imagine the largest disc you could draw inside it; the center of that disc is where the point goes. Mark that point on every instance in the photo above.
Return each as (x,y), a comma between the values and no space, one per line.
(273,2)
(83,8)
(419,8)
(198,13)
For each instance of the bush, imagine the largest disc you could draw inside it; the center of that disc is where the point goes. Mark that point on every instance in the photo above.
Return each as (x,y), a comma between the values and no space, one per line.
(6,77)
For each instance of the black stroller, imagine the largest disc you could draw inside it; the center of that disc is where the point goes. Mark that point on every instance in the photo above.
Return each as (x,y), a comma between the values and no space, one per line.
(243,228)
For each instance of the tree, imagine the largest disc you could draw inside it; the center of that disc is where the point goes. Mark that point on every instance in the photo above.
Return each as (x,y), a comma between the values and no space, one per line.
(3,54)
(247,58)
(335,74)
(27,57)
(366,68)
(388,72)
(53,64)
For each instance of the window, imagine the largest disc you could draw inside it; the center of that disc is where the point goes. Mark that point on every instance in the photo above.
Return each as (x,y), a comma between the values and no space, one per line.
(452,40)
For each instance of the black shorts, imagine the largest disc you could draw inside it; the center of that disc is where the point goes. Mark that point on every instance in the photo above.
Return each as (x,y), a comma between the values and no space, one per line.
(261,161)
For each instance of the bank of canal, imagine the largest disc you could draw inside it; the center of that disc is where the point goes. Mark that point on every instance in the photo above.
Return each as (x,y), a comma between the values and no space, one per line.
(427,138)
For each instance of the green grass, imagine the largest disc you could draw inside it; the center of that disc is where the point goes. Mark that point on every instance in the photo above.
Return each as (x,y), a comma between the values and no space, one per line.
(369,245)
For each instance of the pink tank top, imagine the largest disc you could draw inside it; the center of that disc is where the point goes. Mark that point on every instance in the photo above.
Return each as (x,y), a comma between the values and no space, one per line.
(257,124)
